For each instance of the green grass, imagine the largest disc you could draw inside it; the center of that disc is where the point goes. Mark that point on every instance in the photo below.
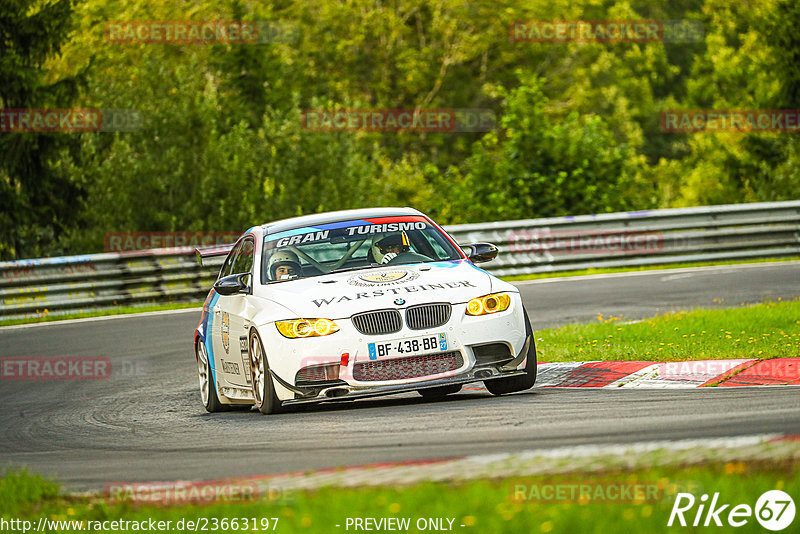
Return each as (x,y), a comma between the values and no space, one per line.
(102,313)
(768,330)
(486,506)
(21,491)
(607,270)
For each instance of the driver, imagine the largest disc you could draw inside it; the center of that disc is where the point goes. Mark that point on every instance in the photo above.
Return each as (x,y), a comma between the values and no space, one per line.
(283,264)
(387,247)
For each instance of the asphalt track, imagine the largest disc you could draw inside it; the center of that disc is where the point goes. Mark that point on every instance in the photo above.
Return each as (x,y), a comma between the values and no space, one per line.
(146,422)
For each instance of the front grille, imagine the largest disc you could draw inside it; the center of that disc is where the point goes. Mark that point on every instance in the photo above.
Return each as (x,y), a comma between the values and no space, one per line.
(378,322)
(494,353)
(405,368)
(427,316)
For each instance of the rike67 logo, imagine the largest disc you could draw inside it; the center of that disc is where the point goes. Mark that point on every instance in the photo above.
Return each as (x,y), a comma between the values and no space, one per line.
(774,510)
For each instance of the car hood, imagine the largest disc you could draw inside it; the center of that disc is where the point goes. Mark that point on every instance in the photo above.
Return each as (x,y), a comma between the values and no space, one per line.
(344,294)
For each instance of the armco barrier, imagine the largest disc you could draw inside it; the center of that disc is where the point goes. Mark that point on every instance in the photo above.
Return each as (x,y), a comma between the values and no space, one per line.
(713,233)
(716,233)
(101,281)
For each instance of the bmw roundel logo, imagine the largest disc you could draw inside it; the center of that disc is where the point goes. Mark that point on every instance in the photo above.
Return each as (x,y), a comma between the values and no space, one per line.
(399,302)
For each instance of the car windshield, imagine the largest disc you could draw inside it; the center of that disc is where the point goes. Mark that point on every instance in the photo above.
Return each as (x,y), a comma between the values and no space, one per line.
(352,245)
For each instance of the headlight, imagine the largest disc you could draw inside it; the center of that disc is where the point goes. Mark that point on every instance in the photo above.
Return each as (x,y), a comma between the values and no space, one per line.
(496,302)
(306,328)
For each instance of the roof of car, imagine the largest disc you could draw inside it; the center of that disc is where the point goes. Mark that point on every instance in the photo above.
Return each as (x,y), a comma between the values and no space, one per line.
(336,216)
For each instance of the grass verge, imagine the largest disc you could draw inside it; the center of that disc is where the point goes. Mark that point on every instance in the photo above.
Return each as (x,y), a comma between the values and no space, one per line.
(607,270)
(767,330)
(586,503)
(102,313)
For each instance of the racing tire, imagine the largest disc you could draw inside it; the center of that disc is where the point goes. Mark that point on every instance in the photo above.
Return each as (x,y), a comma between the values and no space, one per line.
(502,386)
(208,387)
(439,392)
(263,389)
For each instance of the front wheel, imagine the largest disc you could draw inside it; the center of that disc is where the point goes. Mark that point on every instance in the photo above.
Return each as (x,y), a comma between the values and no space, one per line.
(263,390)
(208,390)
(501,386)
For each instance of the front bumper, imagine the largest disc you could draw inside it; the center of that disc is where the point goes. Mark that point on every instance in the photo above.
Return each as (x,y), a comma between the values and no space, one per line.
(345,392)
(464,333)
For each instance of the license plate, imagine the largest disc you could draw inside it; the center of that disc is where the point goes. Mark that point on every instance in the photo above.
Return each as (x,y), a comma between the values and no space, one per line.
(431,343)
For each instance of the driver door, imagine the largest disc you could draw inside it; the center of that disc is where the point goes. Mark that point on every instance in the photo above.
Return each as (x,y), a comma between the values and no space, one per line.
(230,343)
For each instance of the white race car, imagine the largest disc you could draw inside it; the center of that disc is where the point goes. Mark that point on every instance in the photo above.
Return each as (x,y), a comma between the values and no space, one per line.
(351,304)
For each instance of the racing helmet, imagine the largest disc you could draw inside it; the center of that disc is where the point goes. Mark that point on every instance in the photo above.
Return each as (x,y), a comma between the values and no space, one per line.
(280,258)
(382,246)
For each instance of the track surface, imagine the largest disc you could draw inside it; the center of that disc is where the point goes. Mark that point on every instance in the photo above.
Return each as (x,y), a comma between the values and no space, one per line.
(146,422)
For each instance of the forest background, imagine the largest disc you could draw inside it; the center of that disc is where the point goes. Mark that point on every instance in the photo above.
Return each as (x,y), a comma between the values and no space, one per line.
(222,144)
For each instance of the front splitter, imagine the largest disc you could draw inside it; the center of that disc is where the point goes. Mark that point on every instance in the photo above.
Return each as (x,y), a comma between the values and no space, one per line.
(361,392)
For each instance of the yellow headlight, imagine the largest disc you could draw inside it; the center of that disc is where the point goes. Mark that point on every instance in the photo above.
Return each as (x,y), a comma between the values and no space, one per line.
(496,302)
(299,328)
(475,307)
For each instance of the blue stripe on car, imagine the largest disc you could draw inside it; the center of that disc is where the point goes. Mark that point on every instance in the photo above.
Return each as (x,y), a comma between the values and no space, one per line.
(208,341)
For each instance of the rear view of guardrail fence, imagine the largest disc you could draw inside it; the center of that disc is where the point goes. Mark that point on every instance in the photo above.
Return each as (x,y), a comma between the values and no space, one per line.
(716,233)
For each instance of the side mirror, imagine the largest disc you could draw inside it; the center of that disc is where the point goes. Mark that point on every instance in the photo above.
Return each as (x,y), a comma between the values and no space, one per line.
(235,283)
(480,252)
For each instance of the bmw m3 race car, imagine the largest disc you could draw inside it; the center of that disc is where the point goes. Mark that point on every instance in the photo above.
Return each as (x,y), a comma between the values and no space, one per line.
(351,304)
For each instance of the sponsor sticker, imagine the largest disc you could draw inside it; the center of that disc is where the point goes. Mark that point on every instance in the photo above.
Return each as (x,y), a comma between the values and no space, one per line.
(226,329)
(391,291)
(230,368)
(245,355)
(383,278)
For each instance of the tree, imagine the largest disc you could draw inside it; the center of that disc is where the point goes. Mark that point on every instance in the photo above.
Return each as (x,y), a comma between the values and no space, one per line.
(38,199)
(540,167)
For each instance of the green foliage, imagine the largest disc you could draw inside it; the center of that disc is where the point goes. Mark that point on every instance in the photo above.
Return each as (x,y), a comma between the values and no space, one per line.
(222,145)
(19,490)
(37,199)
(547,167)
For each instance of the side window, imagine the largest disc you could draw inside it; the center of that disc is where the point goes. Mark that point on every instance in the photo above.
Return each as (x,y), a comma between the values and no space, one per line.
(243,262)
(227,267)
